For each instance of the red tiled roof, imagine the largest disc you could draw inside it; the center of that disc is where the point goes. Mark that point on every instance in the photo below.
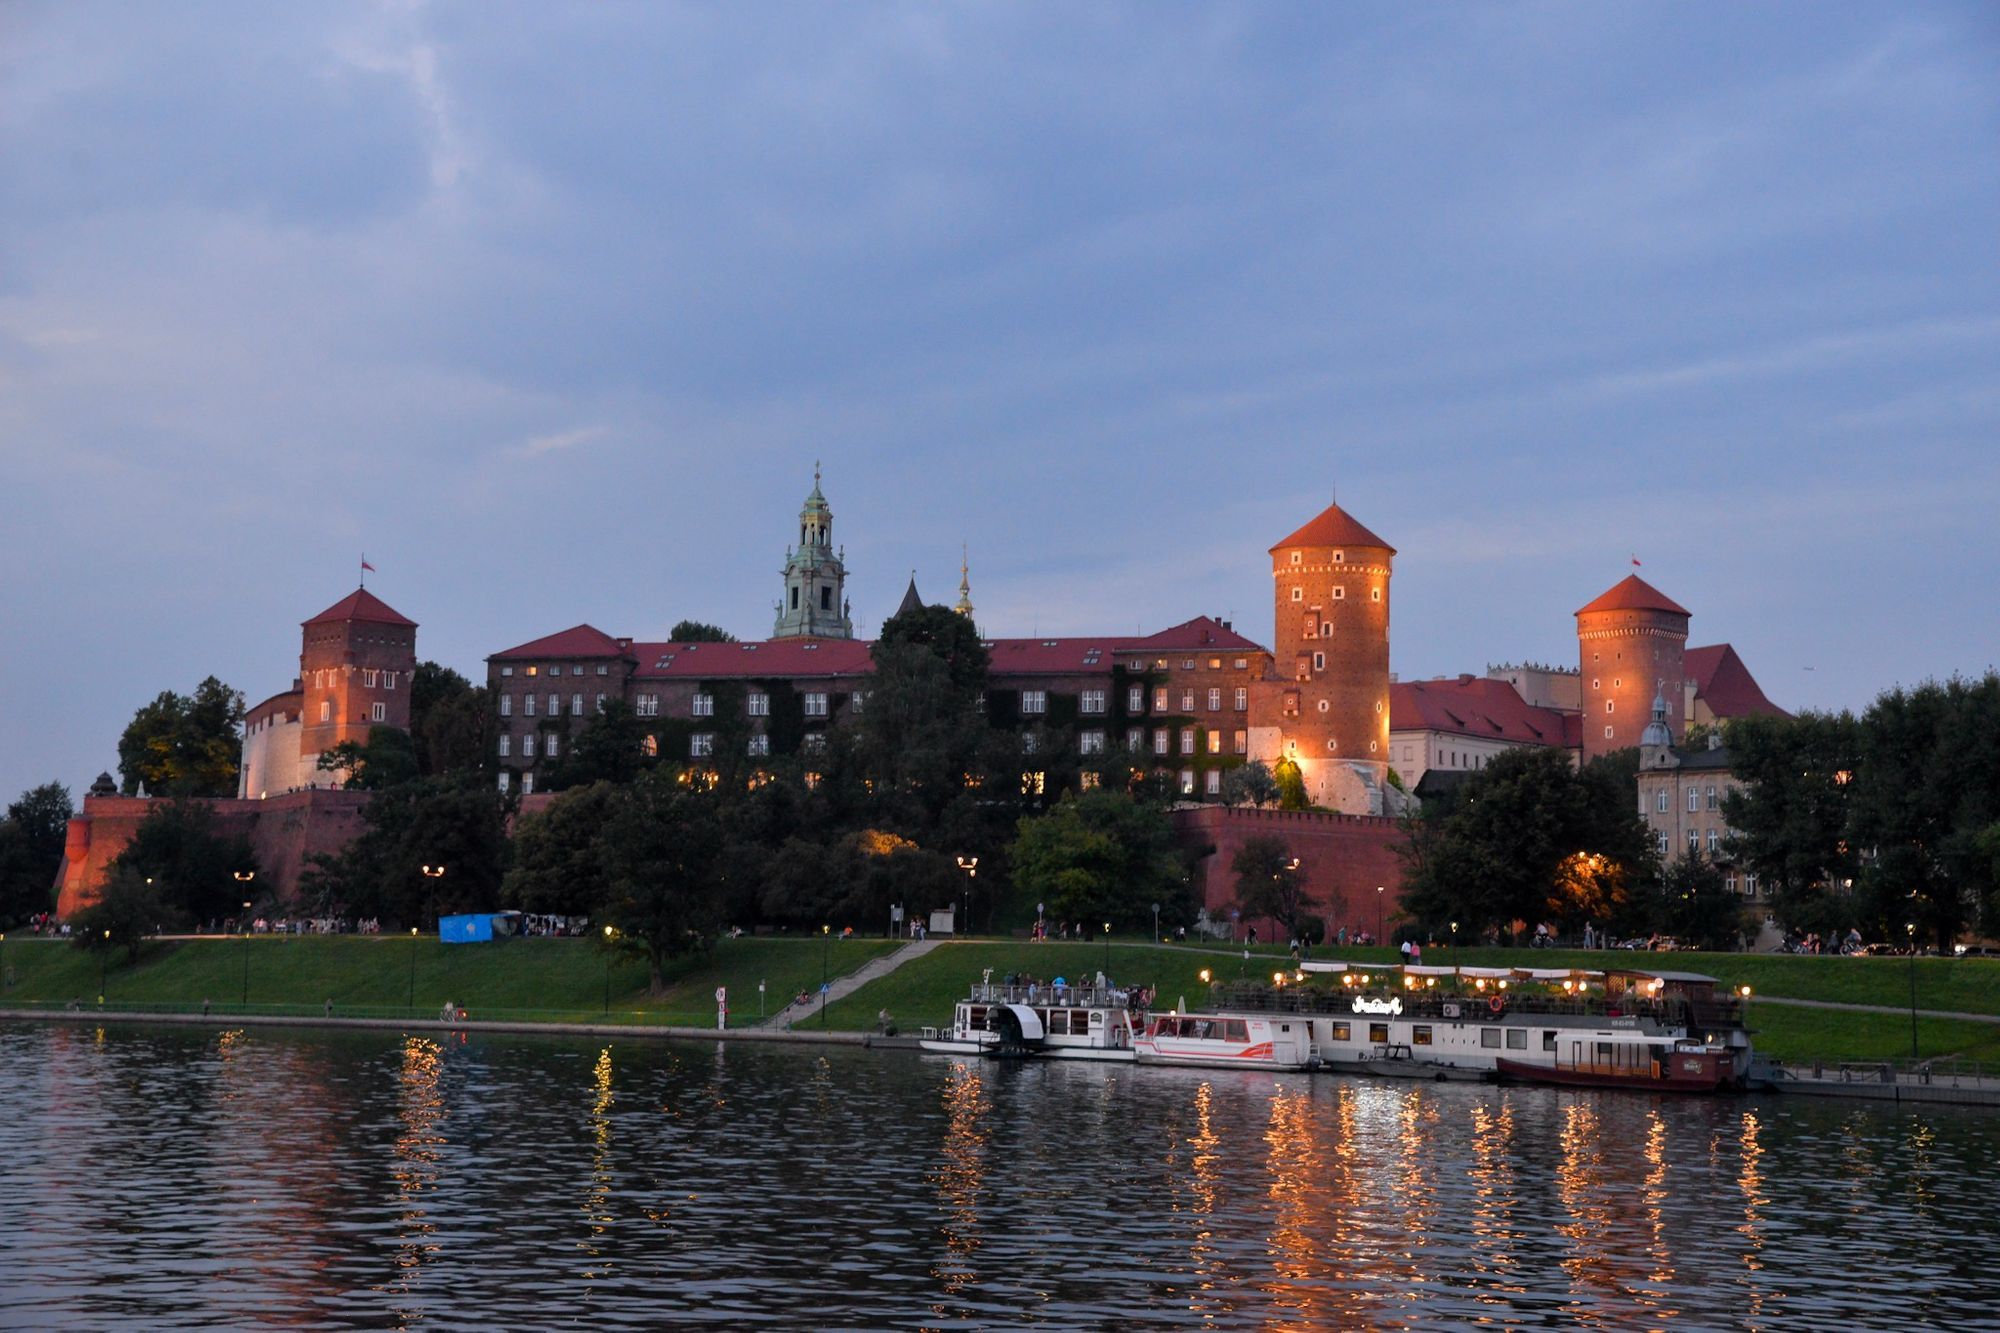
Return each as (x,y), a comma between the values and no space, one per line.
(580,641)
(758,657)
(1473,706)
(1201,632)
(1726,685)
(362,604)
(1334,527)
(1633,593)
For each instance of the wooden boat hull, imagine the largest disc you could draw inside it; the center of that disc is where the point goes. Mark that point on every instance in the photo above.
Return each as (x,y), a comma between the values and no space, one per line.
(1681,1072)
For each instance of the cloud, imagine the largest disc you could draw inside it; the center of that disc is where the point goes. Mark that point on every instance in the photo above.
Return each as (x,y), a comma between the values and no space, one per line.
(558,441)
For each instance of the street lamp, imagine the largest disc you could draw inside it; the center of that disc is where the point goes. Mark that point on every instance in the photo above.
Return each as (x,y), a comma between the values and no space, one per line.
(413,969)
(825,947)
(1910,929)
(104,961)
(609,935)
(1156,921)
(970,865)
(1107,951)
(433,874)
(246,954)
(1456,984)
(1378,915)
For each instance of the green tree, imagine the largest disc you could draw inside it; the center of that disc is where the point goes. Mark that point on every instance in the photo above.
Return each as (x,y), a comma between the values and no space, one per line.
(559,854)
(31,849)
(1697,907)
(667,878)
(1269,883)
(457,823)
(695,631)
(451,722)
(127,913)
(192,859)
(387,759)
(1291,786)
(1792,813)
(1103,856)
(184,745)
(608,749)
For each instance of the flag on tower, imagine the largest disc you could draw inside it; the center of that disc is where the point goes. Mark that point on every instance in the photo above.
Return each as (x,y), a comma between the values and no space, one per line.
(371,569)
(1635,560)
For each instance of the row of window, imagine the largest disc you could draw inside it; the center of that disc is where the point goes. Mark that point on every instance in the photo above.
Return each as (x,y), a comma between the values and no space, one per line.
(1339,595)
(371,678)
(1698,799)
(815,703)
(603,669)
(377,712)
(1664,844)
(528,704)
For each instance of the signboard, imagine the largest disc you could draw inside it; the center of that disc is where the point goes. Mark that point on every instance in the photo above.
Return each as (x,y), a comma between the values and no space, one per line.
(1365,1005)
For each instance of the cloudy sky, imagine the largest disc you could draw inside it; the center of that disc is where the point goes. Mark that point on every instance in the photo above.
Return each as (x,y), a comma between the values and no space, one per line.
(549,309)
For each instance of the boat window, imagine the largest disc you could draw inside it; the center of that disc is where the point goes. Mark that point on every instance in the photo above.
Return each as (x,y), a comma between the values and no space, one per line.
(975,1017)
(1284,1027)
(1341,1031)
(1236,1030)
(1548,1041)
(1517,1040)
(1420,1035)
(1490,1038)
(1378,1032)
(1081,1019)
(1056,1022)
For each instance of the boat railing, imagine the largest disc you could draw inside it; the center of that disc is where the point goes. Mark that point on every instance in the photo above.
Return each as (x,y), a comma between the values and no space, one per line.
(1471,1005)
(1086,996)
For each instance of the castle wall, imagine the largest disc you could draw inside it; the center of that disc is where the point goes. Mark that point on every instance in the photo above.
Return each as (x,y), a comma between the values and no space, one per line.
(1344,858)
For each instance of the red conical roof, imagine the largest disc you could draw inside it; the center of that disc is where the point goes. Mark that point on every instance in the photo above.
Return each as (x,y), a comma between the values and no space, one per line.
(362,604)
(1635,594)
(1334,527)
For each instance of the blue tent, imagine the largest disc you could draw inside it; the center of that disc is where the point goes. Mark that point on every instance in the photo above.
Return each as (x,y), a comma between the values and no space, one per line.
(477,927)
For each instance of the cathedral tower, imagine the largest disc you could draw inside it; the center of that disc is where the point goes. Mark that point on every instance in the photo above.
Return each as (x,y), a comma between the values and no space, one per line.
(1329,711)
(815,605)
(1631,646)
(355,664)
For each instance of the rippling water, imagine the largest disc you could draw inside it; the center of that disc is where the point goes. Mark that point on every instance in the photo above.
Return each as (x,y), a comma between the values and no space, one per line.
(159,1176)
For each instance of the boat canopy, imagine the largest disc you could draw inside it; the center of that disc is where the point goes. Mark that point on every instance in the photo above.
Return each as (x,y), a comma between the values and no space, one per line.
(1683,978)
(1316,965)
(1031,1022)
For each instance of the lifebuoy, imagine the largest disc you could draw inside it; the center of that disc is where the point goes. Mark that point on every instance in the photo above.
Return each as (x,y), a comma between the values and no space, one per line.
(1496,1006)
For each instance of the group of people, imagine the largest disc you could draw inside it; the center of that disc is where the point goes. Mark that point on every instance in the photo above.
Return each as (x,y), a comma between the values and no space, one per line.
(45,923)
(1812,943)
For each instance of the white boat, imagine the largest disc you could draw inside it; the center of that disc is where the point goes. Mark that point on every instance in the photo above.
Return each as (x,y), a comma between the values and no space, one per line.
(1053,1021)
(1226,1041)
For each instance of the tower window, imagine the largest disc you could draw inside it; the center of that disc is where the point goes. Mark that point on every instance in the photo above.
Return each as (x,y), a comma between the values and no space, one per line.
(1319,661)
(326,710)
(826,598)
(795,598)
(1374,594)
(1340,557)
(378,712)
(1610,705)
(1607,733)
(1297,556)
(1339,593)
(1298,594)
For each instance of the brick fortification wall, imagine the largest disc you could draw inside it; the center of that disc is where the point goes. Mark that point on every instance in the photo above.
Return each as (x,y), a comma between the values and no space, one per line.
(284,830)
(1343,857)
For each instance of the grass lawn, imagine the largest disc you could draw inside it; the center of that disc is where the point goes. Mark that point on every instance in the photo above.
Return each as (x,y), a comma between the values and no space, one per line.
(1786,1033)
(549,980)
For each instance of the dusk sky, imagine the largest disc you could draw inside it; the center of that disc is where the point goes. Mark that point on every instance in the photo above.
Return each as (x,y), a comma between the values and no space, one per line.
(549,308)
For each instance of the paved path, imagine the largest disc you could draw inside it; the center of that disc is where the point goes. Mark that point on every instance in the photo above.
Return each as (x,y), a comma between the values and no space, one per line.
(1903,1009)
(843,987)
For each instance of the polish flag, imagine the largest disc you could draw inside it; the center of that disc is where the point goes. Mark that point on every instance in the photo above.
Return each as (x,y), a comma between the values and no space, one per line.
(371,569)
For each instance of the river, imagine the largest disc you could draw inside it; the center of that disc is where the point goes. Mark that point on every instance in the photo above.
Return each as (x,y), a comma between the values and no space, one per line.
(163,1176)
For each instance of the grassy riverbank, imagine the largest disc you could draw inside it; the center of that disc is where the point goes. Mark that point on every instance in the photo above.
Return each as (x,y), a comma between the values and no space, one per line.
(536,980)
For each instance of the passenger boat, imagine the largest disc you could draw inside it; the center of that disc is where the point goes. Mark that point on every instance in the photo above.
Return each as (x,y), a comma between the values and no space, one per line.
(1226,1041)
(1058,1020)
(1626,1061)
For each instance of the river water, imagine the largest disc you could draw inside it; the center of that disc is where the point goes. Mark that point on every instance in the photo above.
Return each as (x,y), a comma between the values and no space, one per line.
(158,1176)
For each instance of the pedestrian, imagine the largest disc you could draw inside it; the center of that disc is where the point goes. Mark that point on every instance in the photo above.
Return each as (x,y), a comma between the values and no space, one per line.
(1407,949)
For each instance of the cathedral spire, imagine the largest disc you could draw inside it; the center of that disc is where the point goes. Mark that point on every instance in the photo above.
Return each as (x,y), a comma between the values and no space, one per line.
(815,602)
(964,604)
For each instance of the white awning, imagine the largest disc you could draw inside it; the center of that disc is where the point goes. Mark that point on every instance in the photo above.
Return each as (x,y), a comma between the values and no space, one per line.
(1315,965)
(1031,1022)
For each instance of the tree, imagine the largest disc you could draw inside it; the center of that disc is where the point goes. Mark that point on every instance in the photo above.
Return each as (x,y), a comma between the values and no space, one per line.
(606,750)
(1791,814)
(1103,856)
(695,631)
(559,855)
(385,760)
(1697,907)
(128,911)
(666,876)
(457,823)
(1250,784)
(192,860)
(1291,786)
(1528,838)
(184,745)
(948,636)
(922,740)
(1268,884)
(451,722)
(31,848)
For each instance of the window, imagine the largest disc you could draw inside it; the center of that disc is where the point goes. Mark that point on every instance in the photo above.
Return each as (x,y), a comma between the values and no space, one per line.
(1297,556)
(1729,884)
(1339,593)
(1090,742)
(1187,740)
(647,705)
(506,671)
(1091,701)
(1187,664)
(505,778)
(527,784)
(506,705)
(506,745)
(1030,743)
(528,746)
(813,742)
(857,701)
(1489,1038)
(1340,557)
(1517,1039)
(1087,781)
(555,705)
(1374,594)
(1160,700)
(1298,594)
(1187,701)
(1319,661)
(527,705)
(1593,685)
(1135,700)
(1187,782)
(760,704)
(826,597)
(576,670)
(326,710)
(1694,800)
(650,746)
(1214,741)
(1750,886)
(378,712)
(795,597)
(553,746)
(1160,740)
(1713,804)
(1242,745)
(603,669)
(369,677)
(1661,843)
(1135,739)
(1214,699)
(1607,733)
(1660,800)
(1714,841)
(816,703)
(1242,698)
(1033,784)
(704,705)
(1420,1034)
(1548,1041)
(1378,1032)
(1340,1031)
(532,670)
(576,705)
(760,745)
(1034,701)
(701,745)
(600,703)
(1610,705)
(1694,842)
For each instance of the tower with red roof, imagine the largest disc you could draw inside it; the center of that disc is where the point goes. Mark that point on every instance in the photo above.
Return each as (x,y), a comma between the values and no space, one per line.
(355,664)
(1631,648)
(1328,711)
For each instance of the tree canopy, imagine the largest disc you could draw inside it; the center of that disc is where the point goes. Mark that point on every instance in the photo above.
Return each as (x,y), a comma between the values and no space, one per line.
(1270,882)
(456,823)
(184,745)
(695,631)
(192,860)
(31,849)
(1102,856)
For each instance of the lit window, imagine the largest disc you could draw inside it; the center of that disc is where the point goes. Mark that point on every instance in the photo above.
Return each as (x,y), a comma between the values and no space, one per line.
(701,745)
(532,670)
(1214,742)
(760,745)
(760,704)
(650,746)
(1033,783)
(816,704)
(1088,781)
(1160,704)
(527,784)
(1187,782)
(1187,740)
(1242,745)
(704,705)
(1034,701)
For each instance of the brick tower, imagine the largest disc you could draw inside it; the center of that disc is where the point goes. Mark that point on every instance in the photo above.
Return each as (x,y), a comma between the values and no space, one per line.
(355,664)
(1631,646)
(1329,710)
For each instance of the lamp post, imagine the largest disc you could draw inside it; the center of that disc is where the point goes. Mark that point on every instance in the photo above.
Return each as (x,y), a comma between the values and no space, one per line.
(1910,929)
(609,935)
(970,865)
(1456,982)
(433,874)
(246,955)
(1156,921)
(1107,951)
(413,969)
(6,980)
(104,962)
(825,947)
(1378,915)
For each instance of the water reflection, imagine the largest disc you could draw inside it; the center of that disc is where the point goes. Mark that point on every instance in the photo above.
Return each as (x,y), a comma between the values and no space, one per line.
(959,1176)
(415,1171)
(596,1206)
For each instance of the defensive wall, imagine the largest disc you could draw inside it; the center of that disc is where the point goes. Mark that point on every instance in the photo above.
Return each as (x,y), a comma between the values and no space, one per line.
(1344,859)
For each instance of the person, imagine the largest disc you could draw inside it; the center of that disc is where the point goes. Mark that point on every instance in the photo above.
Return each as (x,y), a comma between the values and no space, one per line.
(884,1024)
(1408,948)
(1416,952)
(1589,936)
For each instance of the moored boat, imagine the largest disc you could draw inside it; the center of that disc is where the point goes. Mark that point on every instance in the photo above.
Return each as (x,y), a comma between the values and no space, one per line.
(1056,1020)
(1225,1041)
(1632,1062)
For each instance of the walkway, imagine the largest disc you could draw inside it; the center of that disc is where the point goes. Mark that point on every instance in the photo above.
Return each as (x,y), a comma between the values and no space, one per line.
(1902,1009)
(843,987)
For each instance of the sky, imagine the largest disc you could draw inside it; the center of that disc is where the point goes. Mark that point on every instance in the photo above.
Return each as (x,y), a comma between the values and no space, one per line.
(549,309)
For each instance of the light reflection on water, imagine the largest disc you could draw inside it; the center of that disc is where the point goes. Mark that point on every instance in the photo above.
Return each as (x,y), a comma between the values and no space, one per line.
(166,1177)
